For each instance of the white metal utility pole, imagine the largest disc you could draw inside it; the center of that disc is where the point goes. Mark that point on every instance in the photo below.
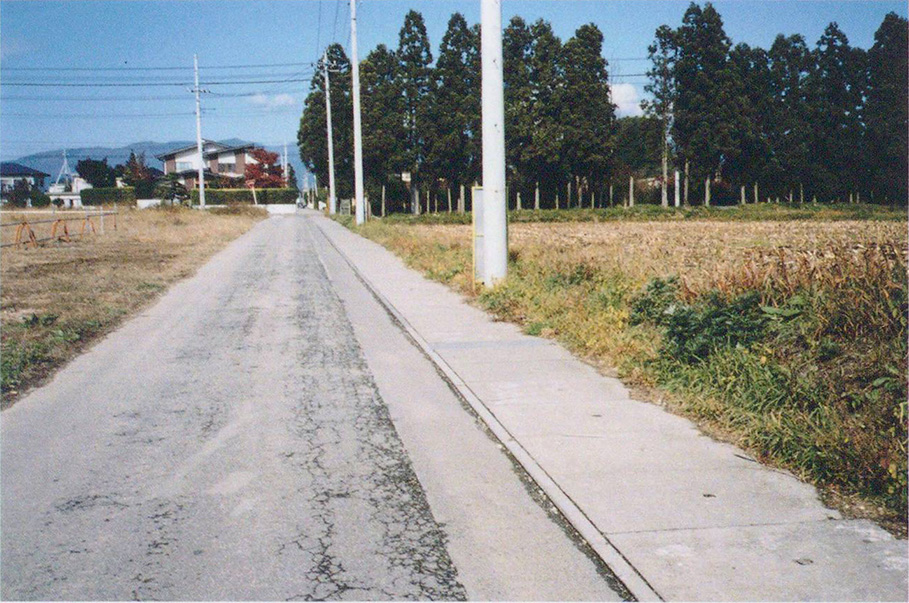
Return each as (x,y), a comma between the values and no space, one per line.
(332,201)
(358,137)
(199,136)
(495,214)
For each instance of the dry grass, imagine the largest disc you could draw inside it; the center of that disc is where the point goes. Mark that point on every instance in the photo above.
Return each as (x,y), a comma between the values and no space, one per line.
(820,391)
(60,297)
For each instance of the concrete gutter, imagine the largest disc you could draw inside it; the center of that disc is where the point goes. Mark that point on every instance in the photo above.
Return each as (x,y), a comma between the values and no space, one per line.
(636,584)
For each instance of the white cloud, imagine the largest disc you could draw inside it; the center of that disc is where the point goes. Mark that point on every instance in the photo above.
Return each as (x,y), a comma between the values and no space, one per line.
(273,102)
(627,100)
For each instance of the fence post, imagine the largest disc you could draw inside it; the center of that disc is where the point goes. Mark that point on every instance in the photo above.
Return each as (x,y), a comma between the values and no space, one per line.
(631,191)
(102,218)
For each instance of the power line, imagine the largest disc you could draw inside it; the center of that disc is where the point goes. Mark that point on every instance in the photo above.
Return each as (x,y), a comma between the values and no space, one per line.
(150,84)
(214,96)
(319,32)
(90,79)
(248,66)
(334,28)
(92,115)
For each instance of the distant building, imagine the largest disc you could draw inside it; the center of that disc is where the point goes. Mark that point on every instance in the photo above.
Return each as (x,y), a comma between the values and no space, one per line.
(219,160)
(11,172)
(68,193)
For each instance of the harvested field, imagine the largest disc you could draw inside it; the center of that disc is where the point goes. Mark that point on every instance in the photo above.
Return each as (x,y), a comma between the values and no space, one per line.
(785,337)
(60,297)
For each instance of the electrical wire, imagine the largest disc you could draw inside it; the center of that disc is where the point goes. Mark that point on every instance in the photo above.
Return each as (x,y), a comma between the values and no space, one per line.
(212,96)
(319,34)
(334,28)
(151,84)
(207,67)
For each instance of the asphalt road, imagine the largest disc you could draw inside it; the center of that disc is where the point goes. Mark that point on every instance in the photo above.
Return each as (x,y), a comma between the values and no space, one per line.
(232,443)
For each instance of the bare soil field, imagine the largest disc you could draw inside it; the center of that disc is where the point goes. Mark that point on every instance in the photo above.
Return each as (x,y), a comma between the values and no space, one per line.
(59,297)
(785,337)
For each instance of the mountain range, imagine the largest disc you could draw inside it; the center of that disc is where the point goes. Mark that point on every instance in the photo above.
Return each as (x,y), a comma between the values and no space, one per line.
(50,162)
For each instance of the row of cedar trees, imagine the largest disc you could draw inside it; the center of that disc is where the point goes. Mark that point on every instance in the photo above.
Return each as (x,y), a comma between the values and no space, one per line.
(829,122)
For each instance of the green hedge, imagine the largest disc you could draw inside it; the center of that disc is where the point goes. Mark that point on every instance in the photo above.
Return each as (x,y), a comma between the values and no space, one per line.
(265,196)
(101,196)
(145,189)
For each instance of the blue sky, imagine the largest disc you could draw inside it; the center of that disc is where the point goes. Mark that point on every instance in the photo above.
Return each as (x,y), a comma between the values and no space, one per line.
(227,33)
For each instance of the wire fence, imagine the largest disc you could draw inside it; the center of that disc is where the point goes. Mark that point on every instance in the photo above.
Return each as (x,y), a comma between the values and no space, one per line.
(27,228)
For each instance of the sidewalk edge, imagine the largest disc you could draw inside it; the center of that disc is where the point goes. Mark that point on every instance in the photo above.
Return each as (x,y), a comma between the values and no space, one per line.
(632,579)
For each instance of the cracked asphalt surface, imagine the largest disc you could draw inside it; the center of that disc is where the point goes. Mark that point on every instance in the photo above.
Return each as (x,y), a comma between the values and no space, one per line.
(229,443)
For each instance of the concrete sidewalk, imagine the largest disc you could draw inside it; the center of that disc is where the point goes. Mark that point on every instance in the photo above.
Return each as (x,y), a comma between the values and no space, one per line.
(675,514)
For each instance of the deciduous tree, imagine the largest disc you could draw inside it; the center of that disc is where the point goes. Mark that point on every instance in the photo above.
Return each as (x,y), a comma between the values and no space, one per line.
(264,172)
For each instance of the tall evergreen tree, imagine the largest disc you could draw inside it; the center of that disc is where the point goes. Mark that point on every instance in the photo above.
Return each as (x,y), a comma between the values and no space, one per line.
(750,154)
(544,155)
(382,112)
(415,80)
(663,54)
(638,147)
(516,49)
(588,120)
(312,138)
(704,109)
(886,109)
(836,89)
(788,122)
(455,104)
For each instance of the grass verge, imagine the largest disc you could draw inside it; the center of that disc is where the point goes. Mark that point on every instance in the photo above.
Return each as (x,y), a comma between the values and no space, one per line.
(785,337)
(59,298)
